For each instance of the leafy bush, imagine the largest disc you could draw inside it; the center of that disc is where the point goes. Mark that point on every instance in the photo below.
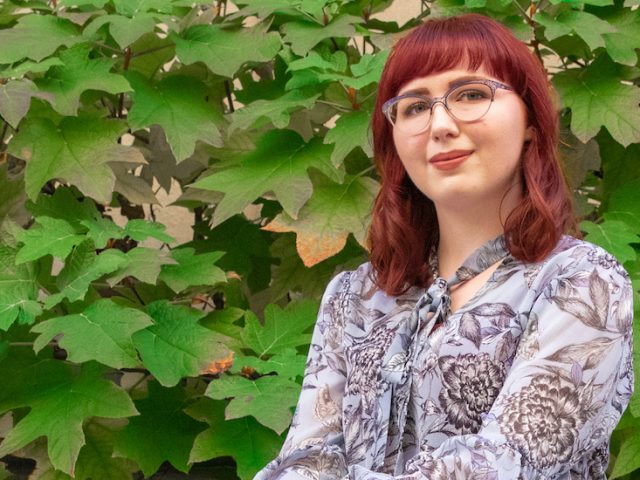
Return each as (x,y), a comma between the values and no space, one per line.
(127,351)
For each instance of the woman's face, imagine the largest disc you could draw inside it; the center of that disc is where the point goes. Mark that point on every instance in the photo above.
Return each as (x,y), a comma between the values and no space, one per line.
(456,163)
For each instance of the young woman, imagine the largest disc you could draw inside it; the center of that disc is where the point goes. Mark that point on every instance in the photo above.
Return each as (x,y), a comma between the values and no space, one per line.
(479,342)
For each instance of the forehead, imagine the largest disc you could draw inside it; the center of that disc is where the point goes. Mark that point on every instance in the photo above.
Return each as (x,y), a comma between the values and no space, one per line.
(438,83)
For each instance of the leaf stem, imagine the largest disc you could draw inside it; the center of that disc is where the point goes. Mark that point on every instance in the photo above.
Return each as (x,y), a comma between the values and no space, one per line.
(114,50)
(144,376)
(227,89)
(127,59)
(4,132)
(337,106)
(149,50)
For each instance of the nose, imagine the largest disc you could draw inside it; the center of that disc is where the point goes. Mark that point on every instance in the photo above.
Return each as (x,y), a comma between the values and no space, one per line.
(443,124)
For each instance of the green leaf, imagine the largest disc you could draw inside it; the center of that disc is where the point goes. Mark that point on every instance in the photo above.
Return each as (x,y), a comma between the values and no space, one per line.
(268,399)
(101,230)
(177,345)
(614,236)
(628,460)
(291,275)
(282,329)
(621,45)
(76,151)
(12,197)
(66,204)
(59,408)
(133,187)
(333,212)
(27,66)
(624,205)
(277,111)
(162,432)
(351,131)
(224,51)
(246,249)
(288,364)
(587,26)
(225,322)
(141,263)
(135,7)
(367,70)
(249,443)
(578,158)
(15,99)
(49,236)
(618,163)
(124,30)
(597,98)
(139,230)
(336,62)
(96,459)
(27,38)
(279,164)
(192,269)
(303,35)
(105,326)
(18,289)
(78,74)
(177,104)
(81,268)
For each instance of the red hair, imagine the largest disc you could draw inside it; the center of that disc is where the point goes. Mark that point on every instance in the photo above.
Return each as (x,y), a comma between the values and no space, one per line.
(404,227)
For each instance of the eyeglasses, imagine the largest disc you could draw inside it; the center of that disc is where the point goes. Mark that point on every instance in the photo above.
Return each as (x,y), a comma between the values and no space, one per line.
(467,102)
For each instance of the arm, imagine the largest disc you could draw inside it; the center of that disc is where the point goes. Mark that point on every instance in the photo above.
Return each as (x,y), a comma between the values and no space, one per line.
(565,392)
(314,448)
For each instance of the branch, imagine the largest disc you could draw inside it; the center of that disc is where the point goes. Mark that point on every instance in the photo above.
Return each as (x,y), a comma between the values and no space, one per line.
(149,50)
(127,59)
(227,89)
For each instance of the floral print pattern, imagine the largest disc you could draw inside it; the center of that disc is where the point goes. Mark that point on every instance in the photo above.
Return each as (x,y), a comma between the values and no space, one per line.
(525,381)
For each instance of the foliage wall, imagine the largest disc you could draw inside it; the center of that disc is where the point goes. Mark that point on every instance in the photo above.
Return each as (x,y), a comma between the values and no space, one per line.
(122,351)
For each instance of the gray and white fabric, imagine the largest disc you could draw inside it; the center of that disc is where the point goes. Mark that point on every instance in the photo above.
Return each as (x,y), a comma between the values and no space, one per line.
(527,380)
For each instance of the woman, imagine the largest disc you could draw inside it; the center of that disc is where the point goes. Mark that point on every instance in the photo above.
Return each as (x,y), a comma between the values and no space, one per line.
(518,365)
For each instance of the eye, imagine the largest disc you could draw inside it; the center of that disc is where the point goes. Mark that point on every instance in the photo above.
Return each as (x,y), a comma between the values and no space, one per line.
(471,95)
(413,107)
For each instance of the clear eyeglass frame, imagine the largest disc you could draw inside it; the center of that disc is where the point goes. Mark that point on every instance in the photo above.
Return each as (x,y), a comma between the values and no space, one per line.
(388,106)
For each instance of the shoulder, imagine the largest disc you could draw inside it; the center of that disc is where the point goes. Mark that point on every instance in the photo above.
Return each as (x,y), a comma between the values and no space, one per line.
(573,256)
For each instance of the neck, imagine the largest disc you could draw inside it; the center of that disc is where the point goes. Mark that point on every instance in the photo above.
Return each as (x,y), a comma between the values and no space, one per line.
(463,229)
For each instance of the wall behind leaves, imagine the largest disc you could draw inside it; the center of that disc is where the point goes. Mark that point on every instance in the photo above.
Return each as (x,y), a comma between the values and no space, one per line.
(124,351)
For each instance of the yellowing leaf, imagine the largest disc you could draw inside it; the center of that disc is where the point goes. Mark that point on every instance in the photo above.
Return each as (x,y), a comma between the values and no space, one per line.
(333,212)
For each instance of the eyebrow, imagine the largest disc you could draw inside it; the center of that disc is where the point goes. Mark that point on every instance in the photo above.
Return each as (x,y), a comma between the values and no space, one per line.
(451,84)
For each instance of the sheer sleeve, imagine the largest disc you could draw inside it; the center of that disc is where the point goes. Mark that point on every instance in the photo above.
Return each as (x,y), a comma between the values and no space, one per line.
(314,448)
(564,394)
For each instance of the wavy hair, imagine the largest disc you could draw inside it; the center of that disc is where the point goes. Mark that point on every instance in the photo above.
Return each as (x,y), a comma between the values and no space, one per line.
(404,227)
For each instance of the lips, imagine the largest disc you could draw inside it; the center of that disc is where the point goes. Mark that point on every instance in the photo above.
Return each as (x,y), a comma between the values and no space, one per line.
(449,160)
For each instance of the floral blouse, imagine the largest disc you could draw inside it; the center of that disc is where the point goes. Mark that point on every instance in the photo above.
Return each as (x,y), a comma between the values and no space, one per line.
(526,381)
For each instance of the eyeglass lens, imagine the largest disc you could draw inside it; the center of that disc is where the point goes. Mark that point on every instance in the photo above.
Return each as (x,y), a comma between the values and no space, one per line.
(467,103)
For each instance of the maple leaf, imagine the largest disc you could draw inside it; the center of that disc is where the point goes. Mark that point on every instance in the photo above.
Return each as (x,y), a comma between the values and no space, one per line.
(141,263)
(25,39)
(124,30)
(282,329)
(224,51)
(622,44)
(76,150)
(287,363)
(276,110)
(586,25)
(597,98)
(18,289)
(79,73)
(49,236)
(192,269)
(351,131)
(268,399)
(614,236)
(250,444)
(279,164)
(333,212)
(105,325)
(15,99)
(81,268)
(64,201)
(176,345)
(162,432)
(303,35)
(178,105)
(60,400)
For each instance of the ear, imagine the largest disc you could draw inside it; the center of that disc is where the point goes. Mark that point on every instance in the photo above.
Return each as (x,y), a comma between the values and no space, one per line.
(528,134)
